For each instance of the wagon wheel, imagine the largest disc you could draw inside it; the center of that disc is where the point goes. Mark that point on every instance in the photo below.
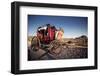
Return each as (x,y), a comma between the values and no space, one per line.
(55,47)
(35,43)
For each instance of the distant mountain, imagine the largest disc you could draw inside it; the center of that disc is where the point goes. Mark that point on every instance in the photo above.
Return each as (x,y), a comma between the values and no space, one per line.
(82,40)
(78,41)
(82,37)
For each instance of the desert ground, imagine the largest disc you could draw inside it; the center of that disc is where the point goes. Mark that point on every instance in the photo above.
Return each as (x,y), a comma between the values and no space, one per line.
(70,48)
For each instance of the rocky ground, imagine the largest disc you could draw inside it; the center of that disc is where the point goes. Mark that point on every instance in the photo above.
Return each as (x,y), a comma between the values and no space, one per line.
(66,53)
(67,49)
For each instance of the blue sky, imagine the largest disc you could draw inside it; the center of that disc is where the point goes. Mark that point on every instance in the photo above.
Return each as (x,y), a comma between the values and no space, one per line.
(73,26)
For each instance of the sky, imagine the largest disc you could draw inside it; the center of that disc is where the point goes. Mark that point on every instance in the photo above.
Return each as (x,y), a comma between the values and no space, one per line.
(73,26)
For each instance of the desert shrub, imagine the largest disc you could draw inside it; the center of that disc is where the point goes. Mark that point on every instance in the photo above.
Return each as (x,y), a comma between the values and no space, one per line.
(69,42)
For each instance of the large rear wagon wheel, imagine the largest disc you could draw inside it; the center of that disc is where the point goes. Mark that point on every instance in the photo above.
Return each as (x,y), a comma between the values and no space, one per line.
(35,43)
